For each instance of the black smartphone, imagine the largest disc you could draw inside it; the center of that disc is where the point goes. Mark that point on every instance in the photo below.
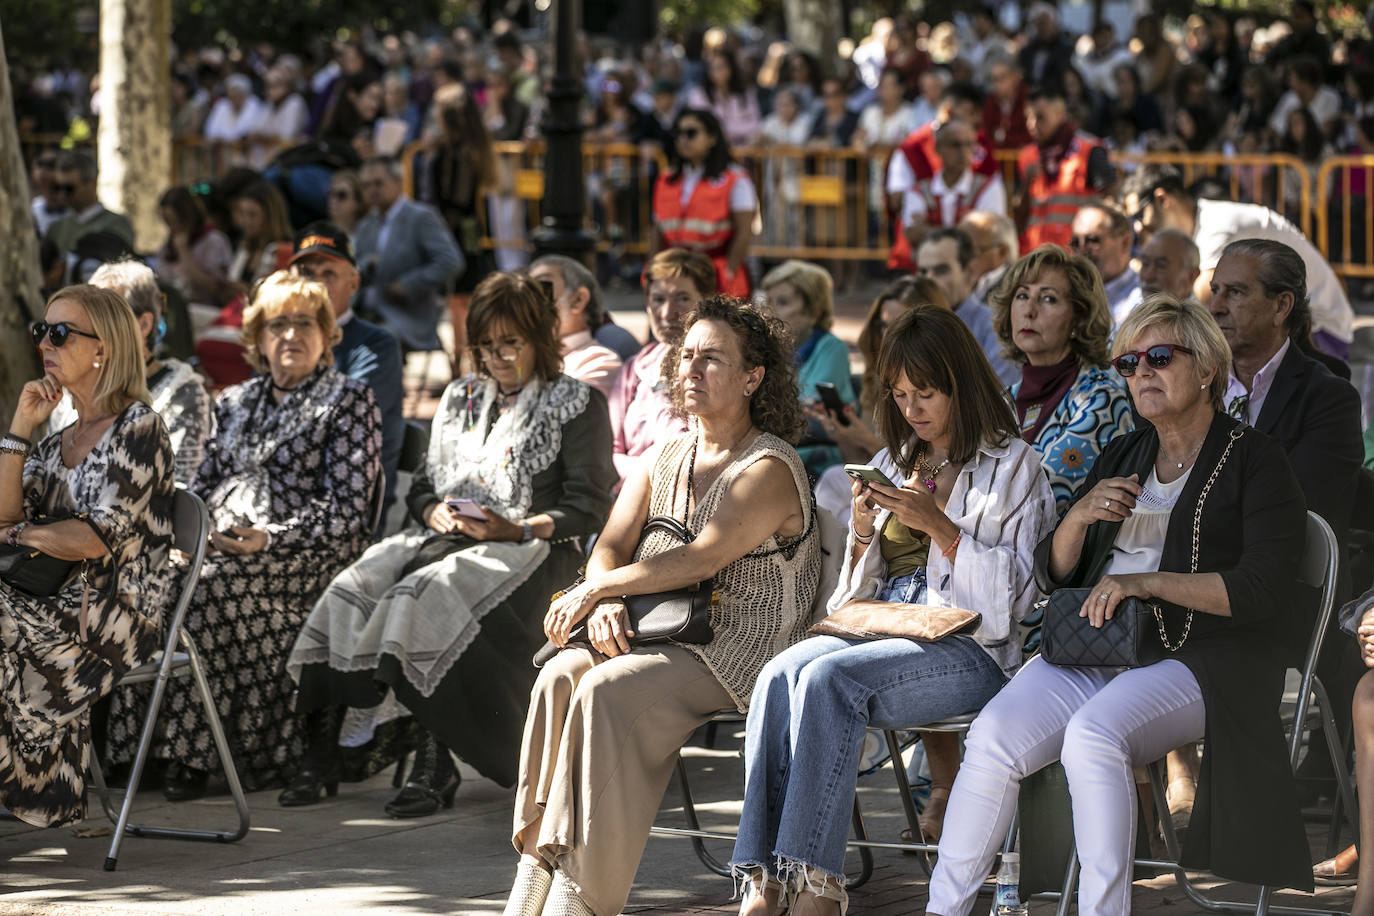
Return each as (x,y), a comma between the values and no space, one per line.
(834,404)
(869,473)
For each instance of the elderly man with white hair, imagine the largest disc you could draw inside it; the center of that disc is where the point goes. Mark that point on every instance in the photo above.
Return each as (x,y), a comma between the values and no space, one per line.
(996,246)
(235,115)
(1169,263)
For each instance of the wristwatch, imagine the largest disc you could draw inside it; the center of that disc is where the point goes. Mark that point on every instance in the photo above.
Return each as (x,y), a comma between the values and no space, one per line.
(527,532)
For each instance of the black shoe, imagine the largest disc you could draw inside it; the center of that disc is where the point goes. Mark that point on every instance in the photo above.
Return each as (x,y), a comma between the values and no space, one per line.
(304,788)
(183,783)
(433,781)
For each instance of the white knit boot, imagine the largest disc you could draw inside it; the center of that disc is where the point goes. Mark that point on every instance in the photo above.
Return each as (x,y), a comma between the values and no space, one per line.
(530,890)
(564,901)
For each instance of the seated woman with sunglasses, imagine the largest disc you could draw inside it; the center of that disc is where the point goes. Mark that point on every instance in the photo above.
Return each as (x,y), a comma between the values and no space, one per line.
(606,720)
(443,618)
(98,492)
(288,478)
(177,390)
(1228,615)
(958,531)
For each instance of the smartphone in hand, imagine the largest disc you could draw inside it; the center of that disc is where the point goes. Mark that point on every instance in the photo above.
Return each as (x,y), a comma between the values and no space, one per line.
(467,508)
(834,404)
(868,473)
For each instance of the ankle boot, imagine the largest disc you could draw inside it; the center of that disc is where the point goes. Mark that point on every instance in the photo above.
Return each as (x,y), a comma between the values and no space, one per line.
(432,784)
(321,764)
(530,890)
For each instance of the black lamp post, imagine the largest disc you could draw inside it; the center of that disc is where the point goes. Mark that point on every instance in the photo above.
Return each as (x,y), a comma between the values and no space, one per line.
(560,227)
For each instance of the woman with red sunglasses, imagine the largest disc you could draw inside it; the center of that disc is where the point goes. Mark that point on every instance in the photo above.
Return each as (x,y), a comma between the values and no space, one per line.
(1227,614)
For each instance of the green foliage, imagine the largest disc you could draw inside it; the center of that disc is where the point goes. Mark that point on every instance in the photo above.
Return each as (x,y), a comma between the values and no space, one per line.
(676,15)
(43,33)
(298,24)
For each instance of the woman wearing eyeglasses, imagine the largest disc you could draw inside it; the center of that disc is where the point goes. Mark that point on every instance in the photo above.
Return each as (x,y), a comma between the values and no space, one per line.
(442,619)
(289,477)
(1229,618)
(97,492)
(705,202)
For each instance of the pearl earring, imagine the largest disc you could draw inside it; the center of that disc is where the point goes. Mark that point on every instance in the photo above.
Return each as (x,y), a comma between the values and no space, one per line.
(96,364)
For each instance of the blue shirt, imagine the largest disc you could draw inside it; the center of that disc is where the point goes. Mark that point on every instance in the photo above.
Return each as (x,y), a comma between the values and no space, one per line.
(978,317)
(371,355)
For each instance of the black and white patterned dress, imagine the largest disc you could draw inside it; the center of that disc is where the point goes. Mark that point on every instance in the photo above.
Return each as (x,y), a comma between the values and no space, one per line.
(50,672)
(303,470)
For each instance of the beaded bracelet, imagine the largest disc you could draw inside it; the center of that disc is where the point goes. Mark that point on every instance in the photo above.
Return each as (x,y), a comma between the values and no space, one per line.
(953,545)
(15,445)
(860,538)
(13,538)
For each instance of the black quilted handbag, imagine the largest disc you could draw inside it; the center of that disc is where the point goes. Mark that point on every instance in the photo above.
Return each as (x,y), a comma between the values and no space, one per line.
(682,615)
(1067,639)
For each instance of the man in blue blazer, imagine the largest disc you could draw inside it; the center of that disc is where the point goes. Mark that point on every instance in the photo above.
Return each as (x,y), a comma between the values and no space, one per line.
(365,352)
(406,256)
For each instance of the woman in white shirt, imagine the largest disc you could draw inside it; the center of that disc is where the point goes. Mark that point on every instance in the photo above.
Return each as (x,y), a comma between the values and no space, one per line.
(883,124)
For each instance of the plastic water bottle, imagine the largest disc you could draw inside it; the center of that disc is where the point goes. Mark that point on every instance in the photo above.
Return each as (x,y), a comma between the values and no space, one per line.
(1008,899)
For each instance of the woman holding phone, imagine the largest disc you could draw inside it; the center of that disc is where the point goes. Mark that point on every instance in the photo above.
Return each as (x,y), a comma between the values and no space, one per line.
(958,532)
(446,614)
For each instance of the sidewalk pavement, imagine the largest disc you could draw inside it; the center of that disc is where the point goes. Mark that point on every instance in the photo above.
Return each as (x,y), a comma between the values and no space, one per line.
(346,856)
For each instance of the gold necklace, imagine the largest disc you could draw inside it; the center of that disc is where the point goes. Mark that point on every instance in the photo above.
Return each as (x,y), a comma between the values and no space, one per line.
(925,471)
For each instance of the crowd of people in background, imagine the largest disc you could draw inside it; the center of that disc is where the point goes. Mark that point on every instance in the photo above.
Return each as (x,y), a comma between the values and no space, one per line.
(1049,359)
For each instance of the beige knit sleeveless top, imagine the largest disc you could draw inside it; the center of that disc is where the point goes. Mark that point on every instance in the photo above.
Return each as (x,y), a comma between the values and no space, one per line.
(766,595)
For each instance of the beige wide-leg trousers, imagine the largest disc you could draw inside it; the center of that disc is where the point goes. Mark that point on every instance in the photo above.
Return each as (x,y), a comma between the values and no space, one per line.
(601,739)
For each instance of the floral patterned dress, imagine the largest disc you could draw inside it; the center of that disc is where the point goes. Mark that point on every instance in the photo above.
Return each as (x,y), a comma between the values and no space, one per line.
(304,470)
(51,668)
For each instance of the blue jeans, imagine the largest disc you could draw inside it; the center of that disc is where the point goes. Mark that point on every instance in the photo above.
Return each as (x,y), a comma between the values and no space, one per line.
(805,731)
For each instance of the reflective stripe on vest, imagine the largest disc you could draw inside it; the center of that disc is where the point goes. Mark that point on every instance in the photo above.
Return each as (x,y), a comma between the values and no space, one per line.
(705,222)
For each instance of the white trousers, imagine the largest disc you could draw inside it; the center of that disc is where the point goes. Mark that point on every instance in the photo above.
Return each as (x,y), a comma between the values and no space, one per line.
(1100,722)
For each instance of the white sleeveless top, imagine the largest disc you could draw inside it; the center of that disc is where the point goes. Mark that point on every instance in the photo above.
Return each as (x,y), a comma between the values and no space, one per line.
(1140,542)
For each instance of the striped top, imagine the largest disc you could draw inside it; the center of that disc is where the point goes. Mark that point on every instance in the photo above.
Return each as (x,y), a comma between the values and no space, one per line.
(1003,504)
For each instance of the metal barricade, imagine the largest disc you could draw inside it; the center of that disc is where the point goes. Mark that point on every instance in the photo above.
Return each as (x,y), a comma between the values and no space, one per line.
(1344,231)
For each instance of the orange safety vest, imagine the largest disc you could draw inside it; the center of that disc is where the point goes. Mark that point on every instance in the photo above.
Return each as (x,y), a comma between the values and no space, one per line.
(1054,202)
(704,224)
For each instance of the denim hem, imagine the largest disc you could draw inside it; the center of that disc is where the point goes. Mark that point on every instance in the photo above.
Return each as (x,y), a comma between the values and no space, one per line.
(798,876)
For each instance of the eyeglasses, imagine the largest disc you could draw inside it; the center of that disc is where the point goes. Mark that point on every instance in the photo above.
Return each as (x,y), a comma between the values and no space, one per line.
(283,323)
(57,333)
(506,352)
(1157,357)
(688,133)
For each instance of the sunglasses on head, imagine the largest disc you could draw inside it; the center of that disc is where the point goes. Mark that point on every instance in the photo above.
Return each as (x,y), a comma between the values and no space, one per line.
(1157,357)
(58,333)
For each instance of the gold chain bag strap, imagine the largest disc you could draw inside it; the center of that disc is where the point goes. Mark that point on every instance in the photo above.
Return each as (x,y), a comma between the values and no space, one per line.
(1197,532)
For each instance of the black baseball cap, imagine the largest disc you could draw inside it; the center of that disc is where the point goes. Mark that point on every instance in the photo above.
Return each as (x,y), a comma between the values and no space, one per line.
(325,239)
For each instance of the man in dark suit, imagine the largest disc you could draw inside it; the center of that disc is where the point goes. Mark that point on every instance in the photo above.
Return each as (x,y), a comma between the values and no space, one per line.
(1259,299)
(365,352)
(406,256)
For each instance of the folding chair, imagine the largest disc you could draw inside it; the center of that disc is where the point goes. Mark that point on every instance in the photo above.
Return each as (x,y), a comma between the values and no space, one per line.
(1318,570)
(190,528)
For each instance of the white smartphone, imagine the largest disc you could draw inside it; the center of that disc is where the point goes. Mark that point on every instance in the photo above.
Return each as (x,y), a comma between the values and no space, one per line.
(467,508)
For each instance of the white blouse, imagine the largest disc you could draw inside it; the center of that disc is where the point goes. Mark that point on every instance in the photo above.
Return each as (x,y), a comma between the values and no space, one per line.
(1140,542)
(1003,504)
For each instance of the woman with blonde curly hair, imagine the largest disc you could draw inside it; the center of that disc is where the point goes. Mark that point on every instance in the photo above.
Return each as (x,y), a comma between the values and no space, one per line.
(607,717)
(288,478)
(1050,312)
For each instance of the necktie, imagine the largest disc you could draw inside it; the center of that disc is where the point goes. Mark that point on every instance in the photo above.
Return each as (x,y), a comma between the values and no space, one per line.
(1239,408)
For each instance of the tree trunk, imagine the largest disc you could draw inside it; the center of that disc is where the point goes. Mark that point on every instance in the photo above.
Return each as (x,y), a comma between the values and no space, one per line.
(19,272)
(814,26)
(135,137)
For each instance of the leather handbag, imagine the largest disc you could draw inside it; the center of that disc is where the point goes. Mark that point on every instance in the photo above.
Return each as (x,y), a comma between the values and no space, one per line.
(682,615)
(868,619)
(1068,639)
(34,572)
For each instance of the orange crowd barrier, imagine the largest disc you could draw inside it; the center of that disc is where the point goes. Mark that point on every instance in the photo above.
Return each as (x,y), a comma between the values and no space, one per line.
(1345,224)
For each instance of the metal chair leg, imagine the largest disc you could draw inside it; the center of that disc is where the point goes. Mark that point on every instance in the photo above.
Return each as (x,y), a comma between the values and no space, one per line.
(145,742)
(913,820)
(689,810)
(865,854)
(1069,889)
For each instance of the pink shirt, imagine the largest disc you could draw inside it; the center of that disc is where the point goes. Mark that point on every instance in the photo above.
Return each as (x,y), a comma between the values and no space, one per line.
(641,412)
(587,361)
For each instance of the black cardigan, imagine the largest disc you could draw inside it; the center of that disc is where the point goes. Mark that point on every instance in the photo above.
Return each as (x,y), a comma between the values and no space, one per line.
(1246,824)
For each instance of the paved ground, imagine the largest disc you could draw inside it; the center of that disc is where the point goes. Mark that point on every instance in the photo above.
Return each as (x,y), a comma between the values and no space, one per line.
(346,856)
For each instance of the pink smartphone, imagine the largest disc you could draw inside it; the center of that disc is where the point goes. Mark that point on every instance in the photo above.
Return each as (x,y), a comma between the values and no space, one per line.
(467,508)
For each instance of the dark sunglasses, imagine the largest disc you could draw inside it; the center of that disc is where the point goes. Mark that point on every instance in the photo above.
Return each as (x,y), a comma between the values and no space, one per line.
(64,189)
(688,133)
(1157,357)
(58,333)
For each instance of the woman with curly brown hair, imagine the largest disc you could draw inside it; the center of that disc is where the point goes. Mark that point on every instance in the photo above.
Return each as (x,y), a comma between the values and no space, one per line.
(957,531)
(607,718)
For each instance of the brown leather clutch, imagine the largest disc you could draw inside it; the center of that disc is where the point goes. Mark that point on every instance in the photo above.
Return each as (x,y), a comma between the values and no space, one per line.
(861,618)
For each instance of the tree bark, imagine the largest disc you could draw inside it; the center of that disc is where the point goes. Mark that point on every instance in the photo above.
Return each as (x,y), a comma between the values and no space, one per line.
(135,135)
(19,271)
(814,26)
